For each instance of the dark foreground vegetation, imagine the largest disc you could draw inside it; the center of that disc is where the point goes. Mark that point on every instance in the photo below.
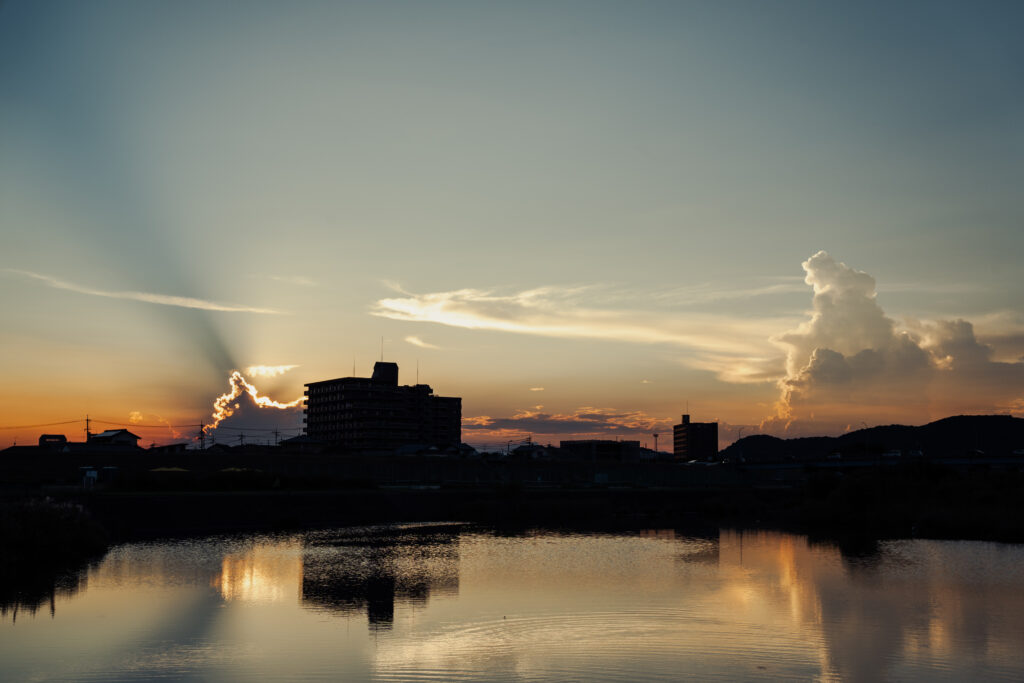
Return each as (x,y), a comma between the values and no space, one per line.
(44,545)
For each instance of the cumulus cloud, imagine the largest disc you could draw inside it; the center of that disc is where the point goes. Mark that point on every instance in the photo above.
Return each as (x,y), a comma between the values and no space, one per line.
(145,297)
(716,342)
(851,362)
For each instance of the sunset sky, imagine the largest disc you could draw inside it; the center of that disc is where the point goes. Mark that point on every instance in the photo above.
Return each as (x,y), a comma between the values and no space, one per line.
(799,217)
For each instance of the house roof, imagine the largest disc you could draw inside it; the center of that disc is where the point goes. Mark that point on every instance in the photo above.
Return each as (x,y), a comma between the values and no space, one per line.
(110,433)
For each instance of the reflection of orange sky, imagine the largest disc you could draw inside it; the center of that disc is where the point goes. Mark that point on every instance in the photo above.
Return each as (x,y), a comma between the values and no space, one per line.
(762,594)
(866,615)
(264,573)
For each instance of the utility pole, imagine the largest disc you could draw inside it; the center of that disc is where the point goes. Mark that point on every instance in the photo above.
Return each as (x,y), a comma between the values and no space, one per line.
(241,439)
(202,436)
(277,438)
(88,436)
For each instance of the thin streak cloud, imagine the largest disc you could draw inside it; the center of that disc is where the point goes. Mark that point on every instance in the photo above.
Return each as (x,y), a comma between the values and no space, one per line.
(145,297)
(268,370)
(554,312)
(298,280)
(416,341)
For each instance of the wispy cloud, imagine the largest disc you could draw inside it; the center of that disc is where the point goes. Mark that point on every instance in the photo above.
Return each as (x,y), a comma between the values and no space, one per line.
(299,280)
(416,341)
(569,313)
(536,388)
(268,370)
(145,297)
(586,420)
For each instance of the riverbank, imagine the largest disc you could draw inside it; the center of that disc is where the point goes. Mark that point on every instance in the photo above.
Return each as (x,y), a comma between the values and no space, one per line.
(915,501)
(924,502)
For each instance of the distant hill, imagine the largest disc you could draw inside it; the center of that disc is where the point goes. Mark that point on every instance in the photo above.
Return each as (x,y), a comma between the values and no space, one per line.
(962,435)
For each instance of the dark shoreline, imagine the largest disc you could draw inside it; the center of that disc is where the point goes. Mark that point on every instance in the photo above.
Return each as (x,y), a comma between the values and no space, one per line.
(916,503)
(72,525)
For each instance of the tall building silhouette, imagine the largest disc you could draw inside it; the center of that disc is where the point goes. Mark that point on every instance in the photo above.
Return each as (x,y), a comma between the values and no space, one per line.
(375,413)
(695,440)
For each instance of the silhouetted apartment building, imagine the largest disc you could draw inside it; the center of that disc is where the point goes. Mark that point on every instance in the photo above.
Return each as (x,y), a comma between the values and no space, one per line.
(695,440)
(375,413)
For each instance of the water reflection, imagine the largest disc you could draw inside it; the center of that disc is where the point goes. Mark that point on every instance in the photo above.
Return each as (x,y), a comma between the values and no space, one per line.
(887,610)
(444,602)
(25,587)
(348,573)
(265,572)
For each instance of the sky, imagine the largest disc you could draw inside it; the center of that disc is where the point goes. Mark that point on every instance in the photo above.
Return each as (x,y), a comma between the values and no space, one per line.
(584,218)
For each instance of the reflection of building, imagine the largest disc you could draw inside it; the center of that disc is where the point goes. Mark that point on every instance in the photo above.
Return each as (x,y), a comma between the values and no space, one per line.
(695,440)
(360,413)
(372,574)
(600,449)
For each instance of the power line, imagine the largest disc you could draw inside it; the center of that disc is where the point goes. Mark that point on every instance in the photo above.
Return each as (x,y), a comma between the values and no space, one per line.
(128,425)
(133,424)
(260,429)
(48,424)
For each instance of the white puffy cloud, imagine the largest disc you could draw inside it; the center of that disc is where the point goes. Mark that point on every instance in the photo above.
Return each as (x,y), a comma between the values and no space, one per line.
(850,362)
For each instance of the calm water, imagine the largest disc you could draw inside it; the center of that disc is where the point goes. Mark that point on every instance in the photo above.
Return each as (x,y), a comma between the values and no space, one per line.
(453,603)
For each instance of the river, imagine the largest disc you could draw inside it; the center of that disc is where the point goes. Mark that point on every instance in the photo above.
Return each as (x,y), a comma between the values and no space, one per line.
(452,602)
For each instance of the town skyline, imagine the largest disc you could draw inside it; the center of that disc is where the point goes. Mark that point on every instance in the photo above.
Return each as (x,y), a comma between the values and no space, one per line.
(578,218)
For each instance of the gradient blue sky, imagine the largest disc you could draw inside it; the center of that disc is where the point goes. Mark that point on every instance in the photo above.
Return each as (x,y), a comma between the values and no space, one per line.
(607,200)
